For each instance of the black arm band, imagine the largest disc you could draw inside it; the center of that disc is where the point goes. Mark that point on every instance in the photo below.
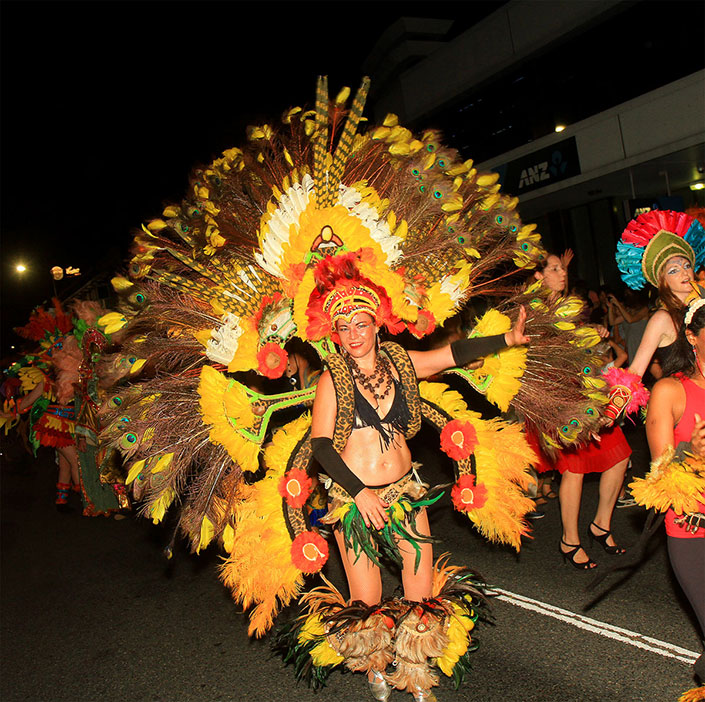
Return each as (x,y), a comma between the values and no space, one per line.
(334,465)
(466,350)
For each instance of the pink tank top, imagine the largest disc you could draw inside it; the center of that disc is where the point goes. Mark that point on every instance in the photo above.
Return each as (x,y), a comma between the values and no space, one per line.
(694,404)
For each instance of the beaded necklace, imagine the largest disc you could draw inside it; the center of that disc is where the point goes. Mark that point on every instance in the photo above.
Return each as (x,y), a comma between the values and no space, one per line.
(381,377)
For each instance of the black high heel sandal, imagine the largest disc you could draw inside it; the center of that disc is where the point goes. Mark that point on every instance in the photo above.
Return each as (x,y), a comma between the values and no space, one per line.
(602,540)
(570,557)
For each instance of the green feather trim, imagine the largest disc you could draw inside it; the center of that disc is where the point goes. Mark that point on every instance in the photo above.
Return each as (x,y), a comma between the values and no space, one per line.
(38,409)
(298,653)
(373,542)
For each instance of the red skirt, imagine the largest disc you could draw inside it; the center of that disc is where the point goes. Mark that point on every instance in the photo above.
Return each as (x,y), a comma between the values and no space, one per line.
(544,464)
(595,457)
(55,428)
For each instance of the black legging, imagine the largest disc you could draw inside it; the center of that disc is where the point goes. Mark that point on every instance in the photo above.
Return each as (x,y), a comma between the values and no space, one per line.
(688,561)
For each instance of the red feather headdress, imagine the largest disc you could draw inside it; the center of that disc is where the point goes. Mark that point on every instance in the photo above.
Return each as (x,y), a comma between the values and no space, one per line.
(341,291)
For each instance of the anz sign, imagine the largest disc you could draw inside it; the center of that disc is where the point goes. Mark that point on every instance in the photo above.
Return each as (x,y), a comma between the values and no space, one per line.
(534,174)
(540,168)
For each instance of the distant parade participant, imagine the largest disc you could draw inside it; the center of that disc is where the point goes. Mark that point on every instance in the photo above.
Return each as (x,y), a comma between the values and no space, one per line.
(662,248)
(675,427)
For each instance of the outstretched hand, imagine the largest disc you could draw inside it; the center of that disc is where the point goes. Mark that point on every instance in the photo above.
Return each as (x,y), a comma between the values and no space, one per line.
(566,257)
(516,336)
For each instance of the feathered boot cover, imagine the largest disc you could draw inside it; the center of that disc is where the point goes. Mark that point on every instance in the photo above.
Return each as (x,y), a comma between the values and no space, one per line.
(421,636)
(332,632)
(363,636)
(436,632)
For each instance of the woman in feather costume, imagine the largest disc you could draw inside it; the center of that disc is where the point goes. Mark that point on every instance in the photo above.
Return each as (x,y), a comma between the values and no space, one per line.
(373,472)
(313,222)
(675,428)
(47,381)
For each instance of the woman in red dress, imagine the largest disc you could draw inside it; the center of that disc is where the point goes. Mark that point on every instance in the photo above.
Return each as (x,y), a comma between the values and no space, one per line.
(676,420)
(609,457)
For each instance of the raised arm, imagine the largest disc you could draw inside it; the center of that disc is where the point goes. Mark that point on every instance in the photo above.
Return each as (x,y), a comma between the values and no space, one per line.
(614,315)
(30,397)
(620,355)
(631,317)
(25,402)
(462,352)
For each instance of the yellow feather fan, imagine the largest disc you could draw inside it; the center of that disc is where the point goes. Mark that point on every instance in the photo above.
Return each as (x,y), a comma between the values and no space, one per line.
(226,408)
(501,372)
(671,483)
(459,623)
(502,465)
(6,423)
(259,570)
(30,377)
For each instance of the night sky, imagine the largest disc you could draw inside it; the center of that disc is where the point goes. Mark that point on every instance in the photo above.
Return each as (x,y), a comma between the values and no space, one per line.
(107,106)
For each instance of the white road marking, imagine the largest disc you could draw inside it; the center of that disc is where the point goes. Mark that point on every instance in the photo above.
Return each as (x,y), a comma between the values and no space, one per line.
(632,638)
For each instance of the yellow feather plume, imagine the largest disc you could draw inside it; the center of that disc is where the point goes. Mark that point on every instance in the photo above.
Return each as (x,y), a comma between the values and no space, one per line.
(30,377)
(259,570)
(226,408)
(696,694)
(459,627)
(505,368)
(503,459)
(671,484)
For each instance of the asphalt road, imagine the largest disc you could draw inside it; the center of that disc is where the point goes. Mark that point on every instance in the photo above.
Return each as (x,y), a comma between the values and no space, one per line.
(91,610)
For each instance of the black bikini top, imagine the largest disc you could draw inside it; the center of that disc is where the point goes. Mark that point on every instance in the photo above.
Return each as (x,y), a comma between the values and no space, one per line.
(396,419)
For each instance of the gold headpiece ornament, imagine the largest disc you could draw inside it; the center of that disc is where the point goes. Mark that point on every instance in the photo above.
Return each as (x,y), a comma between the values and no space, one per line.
(346,302)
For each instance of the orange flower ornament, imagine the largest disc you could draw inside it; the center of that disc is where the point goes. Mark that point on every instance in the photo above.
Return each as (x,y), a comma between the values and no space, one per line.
(458,439)
(271,360)
(295,487)
(466,495)
(309,552)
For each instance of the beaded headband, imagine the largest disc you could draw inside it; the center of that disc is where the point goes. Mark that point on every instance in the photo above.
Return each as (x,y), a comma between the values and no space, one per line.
(347,302)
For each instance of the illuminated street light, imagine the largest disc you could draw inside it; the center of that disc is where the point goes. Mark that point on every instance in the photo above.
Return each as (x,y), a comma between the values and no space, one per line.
(700,185)
(560,127)
(21,268)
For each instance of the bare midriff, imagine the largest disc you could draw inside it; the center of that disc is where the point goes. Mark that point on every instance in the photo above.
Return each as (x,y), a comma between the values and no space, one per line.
(365,457)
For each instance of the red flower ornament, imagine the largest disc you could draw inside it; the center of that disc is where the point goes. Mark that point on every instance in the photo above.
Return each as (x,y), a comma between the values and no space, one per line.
(309,552)
(295,487)
(271,360)
(458,439)
(466,495)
